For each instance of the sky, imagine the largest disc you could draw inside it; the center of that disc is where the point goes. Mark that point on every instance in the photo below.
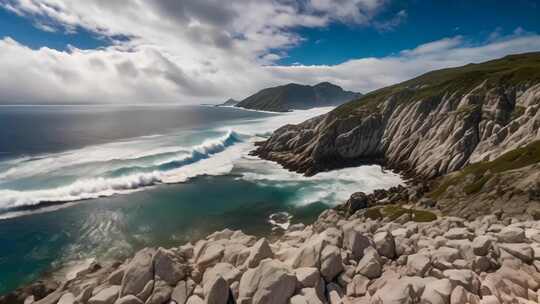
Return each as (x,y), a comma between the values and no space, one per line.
(200,51)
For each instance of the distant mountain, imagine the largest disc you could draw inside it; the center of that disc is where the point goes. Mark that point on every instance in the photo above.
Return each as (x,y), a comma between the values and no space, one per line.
(229,102)
(295,96)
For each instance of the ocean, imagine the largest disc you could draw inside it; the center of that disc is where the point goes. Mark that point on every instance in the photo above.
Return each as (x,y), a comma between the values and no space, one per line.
(79,182)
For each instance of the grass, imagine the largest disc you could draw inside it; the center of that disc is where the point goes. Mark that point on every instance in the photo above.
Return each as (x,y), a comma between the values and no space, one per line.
(508,71)
(483,171)
(394,211)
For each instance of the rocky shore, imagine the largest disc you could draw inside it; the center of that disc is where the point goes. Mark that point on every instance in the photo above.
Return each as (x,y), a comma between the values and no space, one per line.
(350,254)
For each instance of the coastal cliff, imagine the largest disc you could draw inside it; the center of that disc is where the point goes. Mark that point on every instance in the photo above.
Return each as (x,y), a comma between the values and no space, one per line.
(431,125)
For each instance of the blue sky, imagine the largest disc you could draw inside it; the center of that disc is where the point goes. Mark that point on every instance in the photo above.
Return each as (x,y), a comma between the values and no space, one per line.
(426,21)
(194,51)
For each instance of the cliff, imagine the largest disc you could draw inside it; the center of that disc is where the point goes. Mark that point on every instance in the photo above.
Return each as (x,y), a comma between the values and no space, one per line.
(430,125)
(296,96)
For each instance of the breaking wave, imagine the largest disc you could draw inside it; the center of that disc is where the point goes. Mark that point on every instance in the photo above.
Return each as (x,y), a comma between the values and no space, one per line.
(186,165)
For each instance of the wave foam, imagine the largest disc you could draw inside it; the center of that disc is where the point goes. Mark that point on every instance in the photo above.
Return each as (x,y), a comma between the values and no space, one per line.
(174,171)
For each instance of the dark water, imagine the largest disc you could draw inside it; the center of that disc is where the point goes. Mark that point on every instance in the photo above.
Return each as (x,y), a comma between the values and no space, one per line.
(31,130)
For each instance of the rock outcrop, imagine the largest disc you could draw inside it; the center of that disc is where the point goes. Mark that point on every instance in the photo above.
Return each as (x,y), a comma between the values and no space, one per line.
(338,259)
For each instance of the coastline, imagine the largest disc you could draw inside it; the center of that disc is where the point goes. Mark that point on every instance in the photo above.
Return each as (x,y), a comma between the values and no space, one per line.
(350,254)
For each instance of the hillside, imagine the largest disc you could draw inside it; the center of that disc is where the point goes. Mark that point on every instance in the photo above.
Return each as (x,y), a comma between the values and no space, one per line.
(296,96)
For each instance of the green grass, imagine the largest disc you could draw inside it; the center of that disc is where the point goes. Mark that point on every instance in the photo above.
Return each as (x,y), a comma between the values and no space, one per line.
(508,71)
(483,171)
(394,211)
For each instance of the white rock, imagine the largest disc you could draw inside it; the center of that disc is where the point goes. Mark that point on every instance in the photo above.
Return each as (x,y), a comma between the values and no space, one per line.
(216,290)
(105,296)
(511,235)
(463,277)
(129,299)
(138,273)
(370,265)
(358,286)
(437,292)
(418,264)
(482,244)
(354,240)
(394,292)
(194,299)
(307,276)
(458,233)
(168,267)
(260,251)
(67,298)
(331,264)
(523,252)
(269,283)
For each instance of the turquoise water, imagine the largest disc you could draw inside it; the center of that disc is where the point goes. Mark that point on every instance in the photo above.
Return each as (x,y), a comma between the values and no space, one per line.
(98,182)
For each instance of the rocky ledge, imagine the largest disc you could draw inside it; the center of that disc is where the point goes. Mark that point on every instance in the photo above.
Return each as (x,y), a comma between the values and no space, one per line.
(338,259)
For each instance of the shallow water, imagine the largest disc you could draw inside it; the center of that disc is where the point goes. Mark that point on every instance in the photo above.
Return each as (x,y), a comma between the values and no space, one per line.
(161,184)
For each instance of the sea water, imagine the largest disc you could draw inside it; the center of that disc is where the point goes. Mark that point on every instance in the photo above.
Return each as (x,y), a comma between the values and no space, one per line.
(80,182)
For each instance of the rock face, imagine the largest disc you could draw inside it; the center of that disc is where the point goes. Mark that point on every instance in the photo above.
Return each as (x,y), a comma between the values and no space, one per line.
(296,96)
(423,124)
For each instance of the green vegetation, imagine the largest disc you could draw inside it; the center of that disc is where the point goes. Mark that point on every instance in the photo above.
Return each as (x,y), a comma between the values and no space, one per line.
(483,171)
(395,211)
(508,71)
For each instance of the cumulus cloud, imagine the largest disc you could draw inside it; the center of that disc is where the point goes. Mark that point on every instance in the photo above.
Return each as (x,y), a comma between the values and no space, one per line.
(194,51)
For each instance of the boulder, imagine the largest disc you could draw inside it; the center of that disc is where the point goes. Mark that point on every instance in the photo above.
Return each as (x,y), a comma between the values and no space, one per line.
(370,265)
(354,240)
(418,264)
(168,267)
(395,292)
(482,244)
(260,251)
(309,254)
(463,277)
(523,252)
(437,292)
(129,299)
(216,291)
(138,273)
(358,286)
(161,293)
(357,201)
(225,270)
(181,292)
(194,299)
(331,264)
(67,298)
(105,296)
(307,276)
(459,233)
(385,245)
(209,256)
(269,283)
(147,291)
(511,235)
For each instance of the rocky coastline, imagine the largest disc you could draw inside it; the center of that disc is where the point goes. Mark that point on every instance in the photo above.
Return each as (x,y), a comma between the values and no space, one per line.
(368,250)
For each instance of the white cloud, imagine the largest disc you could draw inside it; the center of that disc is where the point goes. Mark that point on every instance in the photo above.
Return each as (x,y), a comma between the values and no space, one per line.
(194,51)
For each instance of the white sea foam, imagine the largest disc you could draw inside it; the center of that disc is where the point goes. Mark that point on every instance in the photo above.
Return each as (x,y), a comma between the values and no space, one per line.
(127,166)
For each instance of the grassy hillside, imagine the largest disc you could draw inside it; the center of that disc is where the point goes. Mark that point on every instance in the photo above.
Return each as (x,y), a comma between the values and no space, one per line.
(510,70)
(484,171)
